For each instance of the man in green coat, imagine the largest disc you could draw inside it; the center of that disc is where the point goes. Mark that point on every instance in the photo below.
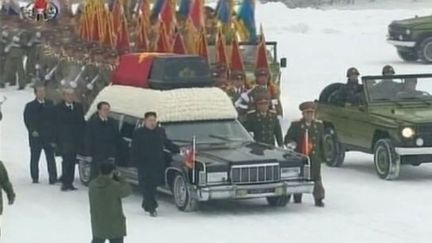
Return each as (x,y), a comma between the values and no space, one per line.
(306,137)
(14,63)
(6,186)
(263,122)
(106,211)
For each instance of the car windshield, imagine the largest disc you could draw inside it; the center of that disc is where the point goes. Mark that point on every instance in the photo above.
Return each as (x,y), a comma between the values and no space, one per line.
(187,69)
(207,132)
(397,89)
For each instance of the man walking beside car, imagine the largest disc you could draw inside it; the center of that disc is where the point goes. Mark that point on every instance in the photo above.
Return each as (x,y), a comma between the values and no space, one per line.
(306,136)
(106,211)
(70,125)
(102,138)
(39,118)
(148,145)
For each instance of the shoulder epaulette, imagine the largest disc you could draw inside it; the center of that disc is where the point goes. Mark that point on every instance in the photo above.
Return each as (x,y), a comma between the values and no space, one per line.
(318,121)
(251,111)
(273,111)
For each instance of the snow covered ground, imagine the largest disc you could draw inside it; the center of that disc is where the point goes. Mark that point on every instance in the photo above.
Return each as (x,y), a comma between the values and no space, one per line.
(320,45)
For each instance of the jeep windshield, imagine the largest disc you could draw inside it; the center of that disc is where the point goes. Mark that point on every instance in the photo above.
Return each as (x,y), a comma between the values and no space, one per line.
(399,88)
(207,132)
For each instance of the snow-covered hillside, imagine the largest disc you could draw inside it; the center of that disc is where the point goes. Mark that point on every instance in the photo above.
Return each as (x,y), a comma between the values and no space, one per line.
(319,45)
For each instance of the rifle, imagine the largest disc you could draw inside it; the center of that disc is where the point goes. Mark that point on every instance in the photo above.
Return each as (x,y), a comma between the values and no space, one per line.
(74,83)
(90,85)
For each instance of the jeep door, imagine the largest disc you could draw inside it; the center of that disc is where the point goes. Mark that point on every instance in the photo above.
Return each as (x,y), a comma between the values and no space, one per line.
(357,128)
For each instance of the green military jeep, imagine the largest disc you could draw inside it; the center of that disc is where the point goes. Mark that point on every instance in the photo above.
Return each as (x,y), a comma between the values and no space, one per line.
(393,121)
(412,38)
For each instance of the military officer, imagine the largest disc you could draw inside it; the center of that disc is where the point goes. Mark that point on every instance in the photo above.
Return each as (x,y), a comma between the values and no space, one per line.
(14,63)
(306,136)
(263,122)
(235,90)
(220,77)
(4,40)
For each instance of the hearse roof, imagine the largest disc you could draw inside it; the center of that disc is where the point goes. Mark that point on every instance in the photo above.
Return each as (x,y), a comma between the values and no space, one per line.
(189,104)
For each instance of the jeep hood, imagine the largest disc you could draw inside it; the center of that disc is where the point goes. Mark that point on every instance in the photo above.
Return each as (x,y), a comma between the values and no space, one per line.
(413,21)
(408,115)
(247,154)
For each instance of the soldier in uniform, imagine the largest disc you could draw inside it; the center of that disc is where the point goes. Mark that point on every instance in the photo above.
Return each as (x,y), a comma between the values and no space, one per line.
(263,122)
(306,136)
(34,50)
(220,76)
(4,40)
(351,92)
(14,63)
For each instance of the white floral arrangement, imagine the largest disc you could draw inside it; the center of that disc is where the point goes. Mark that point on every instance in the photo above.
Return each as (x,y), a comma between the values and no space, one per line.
(187,104)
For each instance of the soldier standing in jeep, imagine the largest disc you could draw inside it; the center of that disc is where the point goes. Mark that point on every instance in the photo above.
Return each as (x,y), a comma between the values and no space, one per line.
(306,136)
(351,92)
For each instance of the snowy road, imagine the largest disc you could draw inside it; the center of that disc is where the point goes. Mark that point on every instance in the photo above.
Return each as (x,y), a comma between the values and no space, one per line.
(320,46)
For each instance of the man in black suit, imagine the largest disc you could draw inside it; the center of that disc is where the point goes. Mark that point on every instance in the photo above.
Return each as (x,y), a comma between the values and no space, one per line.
(70,126)
(102,138)
(39,118)
(148,145)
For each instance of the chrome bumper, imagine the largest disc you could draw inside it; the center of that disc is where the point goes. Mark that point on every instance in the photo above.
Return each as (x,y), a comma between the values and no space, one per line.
(402,43)
(413,151)
(253,191)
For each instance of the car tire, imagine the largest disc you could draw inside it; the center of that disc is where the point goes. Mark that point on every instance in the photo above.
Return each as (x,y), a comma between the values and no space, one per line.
(409,56)
(424,50)
(334,151)
(298,197)
(387,162)
(279,201)
(182,195)
(84,172)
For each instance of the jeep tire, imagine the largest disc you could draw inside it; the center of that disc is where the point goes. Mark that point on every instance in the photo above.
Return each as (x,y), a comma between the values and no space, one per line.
(334,151)
(279,201)
(387,162)
(424,50)
(409,56)
(182,195)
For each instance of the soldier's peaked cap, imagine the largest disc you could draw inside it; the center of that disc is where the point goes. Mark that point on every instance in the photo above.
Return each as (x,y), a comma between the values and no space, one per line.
(308,106)
(262,95)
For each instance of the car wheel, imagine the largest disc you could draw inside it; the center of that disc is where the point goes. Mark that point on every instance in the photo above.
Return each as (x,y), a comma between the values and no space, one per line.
(84,172)
(387,162)
(334,151)
(182,195)
(425,50)
(409,56)
(298,198)
(279,201)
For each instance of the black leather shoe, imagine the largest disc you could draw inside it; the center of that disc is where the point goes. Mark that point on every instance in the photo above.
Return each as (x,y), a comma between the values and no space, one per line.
(319,203)
(64,188)
(52,182)
(35,181)
(153,214)
(72,188)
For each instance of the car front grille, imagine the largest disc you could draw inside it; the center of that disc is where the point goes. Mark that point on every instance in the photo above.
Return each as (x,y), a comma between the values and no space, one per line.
(425,132)
(396,32)
(252,174)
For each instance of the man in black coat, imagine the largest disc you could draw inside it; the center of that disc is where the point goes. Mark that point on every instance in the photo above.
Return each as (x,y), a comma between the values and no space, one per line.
(148,145)
(70,125)
(39,118)
(102,138)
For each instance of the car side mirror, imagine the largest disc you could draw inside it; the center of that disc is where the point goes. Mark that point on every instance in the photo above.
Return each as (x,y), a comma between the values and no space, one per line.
(283,62)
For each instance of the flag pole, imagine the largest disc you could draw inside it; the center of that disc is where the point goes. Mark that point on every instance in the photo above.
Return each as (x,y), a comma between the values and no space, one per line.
(193,158)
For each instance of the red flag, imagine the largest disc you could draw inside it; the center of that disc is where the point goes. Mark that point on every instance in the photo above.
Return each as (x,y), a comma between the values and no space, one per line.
(202,49)
(237,64)
(168,17)
(162,44)
(117,16)
(123,43)
(306,146)
(179,45)
(190,157)
(197,14)
(142,37)
(221,54)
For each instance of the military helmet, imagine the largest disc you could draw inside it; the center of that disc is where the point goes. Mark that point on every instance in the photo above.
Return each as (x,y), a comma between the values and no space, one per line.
(388,70)
(352,71)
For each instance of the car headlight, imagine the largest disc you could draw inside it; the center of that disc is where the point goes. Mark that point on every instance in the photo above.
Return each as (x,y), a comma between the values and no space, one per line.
(408,32)
(290,172)
(408,132)
(216,177)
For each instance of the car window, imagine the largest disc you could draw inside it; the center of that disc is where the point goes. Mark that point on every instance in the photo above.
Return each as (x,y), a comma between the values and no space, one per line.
(398,88)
